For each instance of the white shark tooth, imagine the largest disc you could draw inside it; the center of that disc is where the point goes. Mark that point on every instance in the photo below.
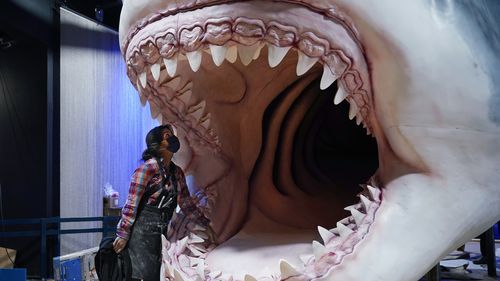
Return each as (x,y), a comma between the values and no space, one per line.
(305,63)
(143,98)
(206,121)
(199,248)
(194,59)
(197,114)
(171,65)
(218,53)
(177,275)
(203,235)
(165,242)
(154,110)
(140,91)
(306,258)
(198,227)
(249,277)
(366,202)
(246,53)
(325,234)
(200,268)
(358,216)
(318,249)
(340,95)
(181,246)
(160,119)
(334,231)
(169,271)
(374,192)
(138,84)
(143,79)
(198,110)
(328,77)
(359,119)
(163,76)
(345,221)
(344,231)
(194,261)
(257,52)
(195,251)
(215,274)
(232,54)
(196,239)
(287,270)
(186,96)
(201,105)
(183,261)
(276,54)
(155,70)
(353,109)
(355,206)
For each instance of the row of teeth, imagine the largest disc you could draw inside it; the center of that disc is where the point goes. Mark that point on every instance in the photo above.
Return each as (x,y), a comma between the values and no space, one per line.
(349,231)
(339,241)
(193,115)
(249,53)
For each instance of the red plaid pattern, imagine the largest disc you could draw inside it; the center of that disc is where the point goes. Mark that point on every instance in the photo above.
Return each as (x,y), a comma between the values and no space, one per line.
(145,177)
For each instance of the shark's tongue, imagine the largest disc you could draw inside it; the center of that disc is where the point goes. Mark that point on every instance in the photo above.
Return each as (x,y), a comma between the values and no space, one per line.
(268,250)
(257,249)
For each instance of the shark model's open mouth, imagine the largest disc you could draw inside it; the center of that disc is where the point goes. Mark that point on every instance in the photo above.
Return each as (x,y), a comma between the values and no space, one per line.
(262,94)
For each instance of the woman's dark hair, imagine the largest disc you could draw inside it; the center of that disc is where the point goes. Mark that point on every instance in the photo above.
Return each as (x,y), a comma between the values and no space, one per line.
(153,140)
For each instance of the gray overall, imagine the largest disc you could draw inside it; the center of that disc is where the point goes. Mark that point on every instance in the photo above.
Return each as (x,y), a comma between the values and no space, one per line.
(144,245)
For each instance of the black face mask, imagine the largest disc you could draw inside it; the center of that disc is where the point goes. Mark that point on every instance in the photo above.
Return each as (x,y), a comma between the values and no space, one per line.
(173,144)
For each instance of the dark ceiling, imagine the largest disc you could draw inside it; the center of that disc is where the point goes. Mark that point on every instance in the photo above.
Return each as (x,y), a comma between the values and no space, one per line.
(20,19)
(106,12)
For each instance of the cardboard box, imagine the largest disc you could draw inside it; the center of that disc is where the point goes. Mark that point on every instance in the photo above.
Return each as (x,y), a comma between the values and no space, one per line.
(7,257)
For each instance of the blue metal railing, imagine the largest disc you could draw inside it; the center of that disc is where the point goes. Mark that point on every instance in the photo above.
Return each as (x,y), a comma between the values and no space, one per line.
(52,227)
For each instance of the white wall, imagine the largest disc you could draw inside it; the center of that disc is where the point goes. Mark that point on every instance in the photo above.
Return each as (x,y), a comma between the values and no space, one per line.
(102,124)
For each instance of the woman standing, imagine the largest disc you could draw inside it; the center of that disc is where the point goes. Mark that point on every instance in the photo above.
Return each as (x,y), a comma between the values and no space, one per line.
(157,186)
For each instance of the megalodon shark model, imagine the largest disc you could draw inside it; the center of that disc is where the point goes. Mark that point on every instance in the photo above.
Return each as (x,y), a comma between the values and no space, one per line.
(339,140)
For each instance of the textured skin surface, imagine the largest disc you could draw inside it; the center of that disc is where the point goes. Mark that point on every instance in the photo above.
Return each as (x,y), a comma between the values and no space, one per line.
(409,73)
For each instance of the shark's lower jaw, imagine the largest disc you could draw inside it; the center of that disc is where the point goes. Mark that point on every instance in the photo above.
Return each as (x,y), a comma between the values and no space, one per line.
(270,158)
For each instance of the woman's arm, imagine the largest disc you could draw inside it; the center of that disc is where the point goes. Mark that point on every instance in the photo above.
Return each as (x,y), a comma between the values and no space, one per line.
(138,184)
(188,203)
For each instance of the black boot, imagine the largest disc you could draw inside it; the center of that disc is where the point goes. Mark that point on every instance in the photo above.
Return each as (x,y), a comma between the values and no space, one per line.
(481,260)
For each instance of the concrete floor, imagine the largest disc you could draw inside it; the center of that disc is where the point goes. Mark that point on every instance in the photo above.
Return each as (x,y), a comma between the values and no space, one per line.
(473,272)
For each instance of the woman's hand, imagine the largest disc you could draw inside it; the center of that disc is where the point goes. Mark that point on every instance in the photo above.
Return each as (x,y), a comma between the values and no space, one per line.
(119,244)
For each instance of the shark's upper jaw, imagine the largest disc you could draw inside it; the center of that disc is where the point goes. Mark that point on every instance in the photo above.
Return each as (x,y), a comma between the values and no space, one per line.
(225,73)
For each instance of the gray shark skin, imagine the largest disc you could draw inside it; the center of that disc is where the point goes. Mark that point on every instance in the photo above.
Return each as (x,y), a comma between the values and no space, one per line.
(240,81)
(479,27)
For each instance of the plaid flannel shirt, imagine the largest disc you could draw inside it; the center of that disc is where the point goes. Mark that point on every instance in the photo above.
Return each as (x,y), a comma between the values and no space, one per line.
(147,176)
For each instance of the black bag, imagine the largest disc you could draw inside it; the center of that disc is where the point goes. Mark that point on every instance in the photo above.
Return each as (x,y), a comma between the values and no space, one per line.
(109,265)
